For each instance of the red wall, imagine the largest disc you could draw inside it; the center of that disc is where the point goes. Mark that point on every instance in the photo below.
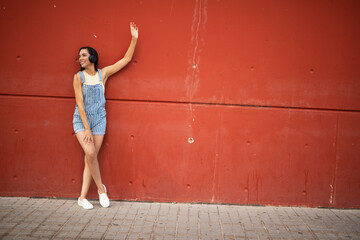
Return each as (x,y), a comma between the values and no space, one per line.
(268,90)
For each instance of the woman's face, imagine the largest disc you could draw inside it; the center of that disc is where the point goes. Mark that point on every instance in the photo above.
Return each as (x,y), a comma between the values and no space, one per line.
(84,58)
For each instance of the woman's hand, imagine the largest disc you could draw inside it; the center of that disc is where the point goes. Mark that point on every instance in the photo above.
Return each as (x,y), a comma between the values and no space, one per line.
(112,69)
(88,138)
(134,30)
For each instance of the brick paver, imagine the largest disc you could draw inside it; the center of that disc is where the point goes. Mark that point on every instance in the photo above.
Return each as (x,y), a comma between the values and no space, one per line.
(37,218)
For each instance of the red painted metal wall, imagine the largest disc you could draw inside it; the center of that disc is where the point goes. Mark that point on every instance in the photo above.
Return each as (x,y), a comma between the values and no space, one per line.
(246,102)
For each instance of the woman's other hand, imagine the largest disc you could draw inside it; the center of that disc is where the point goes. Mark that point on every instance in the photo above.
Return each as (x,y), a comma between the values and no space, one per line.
(134,30)
(88,138)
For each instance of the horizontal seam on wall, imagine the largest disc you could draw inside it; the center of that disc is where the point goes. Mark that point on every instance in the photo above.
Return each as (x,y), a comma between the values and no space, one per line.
(195,103)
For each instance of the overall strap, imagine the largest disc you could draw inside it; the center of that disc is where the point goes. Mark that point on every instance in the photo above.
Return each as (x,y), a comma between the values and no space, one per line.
(100,74)
(82,76)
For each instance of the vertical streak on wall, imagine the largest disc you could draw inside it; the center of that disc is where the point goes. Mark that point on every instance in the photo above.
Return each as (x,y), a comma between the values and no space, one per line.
(192,79)
(215,164)
(193,70)
(192,58)
(333,184)
(216,158)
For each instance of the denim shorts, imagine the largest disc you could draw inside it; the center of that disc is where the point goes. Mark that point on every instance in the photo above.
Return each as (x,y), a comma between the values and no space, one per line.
(94,103)
(97,123)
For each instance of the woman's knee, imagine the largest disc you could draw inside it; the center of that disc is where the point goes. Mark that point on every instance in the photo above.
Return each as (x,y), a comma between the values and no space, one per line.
(90,154)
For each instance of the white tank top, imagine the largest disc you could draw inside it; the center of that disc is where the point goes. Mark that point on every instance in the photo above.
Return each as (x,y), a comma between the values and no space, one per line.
(93,80)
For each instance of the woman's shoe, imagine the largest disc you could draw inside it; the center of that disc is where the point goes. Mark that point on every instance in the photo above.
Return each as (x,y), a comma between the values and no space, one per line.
(103,198)
(85,204)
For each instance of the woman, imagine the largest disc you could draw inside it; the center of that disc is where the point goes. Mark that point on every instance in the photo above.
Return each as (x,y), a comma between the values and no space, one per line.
(90,117)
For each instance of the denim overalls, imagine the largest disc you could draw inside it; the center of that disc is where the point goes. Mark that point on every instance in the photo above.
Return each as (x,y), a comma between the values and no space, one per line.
(94,101)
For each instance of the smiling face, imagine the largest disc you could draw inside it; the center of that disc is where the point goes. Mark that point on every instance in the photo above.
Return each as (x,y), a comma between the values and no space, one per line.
(84,58)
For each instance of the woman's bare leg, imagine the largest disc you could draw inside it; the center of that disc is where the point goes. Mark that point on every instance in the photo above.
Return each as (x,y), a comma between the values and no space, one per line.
(91,169)
(98,139)
(86,180)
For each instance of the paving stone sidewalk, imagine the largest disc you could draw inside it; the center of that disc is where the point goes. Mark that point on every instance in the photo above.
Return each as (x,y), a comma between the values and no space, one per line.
(41,218)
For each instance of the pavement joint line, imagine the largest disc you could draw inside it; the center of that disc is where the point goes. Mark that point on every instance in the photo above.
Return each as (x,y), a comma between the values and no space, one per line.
(177,222)
(321,220)
(127,212)
(266,230)
(331,210)
(46,218)
(221,226)
(247,212)
(241,222)
(132,223)
(307,226)
(327,215)
(13,210)
(78,235)
(62,226)
(155,222)
(199,225)
(111,223)
(17,224)
(350,219)
(232,224)
(283,224)
(166,226)
(55,220)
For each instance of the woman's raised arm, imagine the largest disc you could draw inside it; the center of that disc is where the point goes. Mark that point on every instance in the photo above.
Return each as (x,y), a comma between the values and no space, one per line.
(112,69)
